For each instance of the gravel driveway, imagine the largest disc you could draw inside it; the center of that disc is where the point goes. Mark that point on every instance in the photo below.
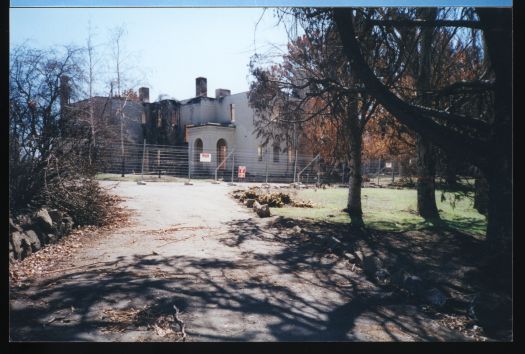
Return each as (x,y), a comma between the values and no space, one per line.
(233,276)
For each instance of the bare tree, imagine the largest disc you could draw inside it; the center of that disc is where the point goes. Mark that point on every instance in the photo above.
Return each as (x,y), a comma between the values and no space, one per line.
(313,85)
(117,37)
(47,145)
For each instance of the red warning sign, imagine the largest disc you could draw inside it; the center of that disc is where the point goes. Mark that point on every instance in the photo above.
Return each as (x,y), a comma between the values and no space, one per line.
(242,172)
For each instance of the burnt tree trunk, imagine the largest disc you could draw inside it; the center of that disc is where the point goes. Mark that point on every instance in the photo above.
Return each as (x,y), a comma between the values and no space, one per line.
(498,170)
(426,186)
(451,177)
(426,162)
(354,208)
(481,195)
(493,156)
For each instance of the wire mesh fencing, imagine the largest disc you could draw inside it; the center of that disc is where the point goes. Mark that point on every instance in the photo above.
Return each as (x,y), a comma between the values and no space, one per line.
(237,165)
(230,165)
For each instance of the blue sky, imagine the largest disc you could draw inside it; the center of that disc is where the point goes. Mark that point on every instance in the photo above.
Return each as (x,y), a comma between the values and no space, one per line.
(170,47)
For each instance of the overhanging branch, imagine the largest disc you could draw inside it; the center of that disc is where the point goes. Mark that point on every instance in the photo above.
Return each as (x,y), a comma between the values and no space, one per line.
(417,118)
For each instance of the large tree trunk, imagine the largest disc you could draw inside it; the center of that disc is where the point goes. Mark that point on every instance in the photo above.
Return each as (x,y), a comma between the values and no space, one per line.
(354,208)
(481,195)
(451,177)
(426,186)
(354,132)
(426,162)
(498,170)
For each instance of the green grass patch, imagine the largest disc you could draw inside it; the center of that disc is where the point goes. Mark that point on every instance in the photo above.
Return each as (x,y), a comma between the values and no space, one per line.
(387,209)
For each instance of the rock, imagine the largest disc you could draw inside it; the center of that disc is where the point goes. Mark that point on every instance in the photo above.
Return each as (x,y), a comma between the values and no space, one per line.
(360,256)
(249,202)
(371,265)
(43,220)
(22,244)
(52,238)
(374,269)
(262,210)
(13,226)
(333,243)
(436,297)
(297,229)
(33,240)
(350,257)
(56,216)
(11,252)
(67,224)
(16,241)
(383,276)
(411,283)
(24,220)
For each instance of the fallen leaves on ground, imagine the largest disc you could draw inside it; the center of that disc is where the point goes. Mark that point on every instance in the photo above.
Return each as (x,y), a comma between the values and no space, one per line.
(119,320)
(463,325)
(50,257)
(174,228)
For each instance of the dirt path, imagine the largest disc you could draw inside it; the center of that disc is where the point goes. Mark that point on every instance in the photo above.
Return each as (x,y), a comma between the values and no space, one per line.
(234,278)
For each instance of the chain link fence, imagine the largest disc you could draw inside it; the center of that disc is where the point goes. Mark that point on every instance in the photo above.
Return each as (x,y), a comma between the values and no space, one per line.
(222,165)
(236,165)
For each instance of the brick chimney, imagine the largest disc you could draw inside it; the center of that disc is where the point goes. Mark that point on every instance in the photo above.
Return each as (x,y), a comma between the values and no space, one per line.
(144,94)
(201,87)
(220,93)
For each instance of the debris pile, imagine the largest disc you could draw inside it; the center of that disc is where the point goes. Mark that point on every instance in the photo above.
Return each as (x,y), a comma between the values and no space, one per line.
(272,199)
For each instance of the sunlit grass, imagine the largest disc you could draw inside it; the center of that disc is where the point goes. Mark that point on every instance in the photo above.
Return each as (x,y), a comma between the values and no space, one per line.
(387,209)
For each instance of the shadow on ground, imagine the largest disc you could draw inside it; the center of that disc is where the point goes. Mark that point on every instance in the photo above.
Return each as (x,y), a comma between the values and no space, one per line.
(70,307)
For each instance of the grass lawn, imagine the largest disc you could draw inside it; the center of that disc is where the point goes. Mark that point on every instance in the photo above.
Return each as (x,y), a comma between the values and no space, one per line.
(386,209)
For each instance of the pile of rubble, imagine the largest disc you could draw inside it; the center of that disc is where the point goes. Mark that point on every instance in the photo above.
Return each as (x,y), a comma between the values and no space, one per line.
(29,233)
(260,200)
(272,199)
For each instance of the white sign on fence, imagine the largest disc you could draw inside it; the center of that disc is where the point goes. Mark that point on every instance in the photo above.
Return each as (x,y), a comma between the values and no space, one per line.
(388,165)
(205,157)
(242,172)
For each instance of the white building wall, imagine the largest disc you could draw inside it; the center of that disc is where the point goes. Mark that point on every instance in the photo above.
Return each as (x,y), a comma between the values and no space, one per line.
(210,135)
(242,137)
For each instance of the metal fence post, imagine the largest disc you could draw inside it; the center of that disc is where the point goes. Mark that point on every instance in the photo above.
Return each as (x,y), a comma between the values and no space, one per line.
(266,155)
(143,154)
(158,161)
(189,163)
(378,170)
(392,171)
(233,164)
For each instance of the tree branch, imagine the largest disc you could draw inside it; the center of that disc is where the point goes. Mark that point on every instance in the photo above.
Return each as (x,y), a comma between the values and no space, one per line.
(426,23)
(417,118)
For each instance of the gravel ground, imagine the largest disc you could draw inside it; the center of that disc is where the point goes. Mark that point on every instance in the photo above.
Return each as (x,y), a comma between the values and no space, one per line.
(233,276)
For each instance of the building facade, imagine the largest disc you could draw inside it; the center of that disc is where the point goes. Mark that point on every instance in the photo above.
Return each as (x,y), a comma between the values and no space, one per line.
(213,126)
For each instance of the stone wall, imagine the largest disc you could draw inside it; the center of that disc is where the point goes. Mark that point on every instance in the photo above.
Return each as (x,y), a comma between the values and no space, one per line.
(29,233)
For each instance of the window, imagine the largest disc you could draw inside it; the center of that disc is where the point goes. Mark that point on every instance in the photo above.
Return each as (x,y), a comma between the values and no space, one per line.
(197,150)
(222,153)
(276,151)
(159,120)
(260,153)
(290,155)
(185,134)
(232,112)
(143,117)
